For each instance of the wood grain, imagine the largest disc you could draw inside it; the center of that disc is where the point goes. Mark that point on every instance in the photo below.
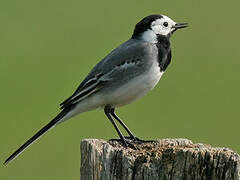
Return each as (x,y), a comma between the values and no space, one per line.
(166,159)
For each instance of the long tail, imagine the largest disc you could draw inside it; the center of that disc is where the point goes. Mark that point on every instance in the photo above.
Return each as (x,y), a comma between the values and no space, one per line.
(42,131)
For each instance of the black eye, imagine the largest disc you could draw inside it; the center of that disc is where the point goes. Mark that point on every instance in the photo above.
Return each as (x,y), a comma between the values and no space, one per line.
(165,24)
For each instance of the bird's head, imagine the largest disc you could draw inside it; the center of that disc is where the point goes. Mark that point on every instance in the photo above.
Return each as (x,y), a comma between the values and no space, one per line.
(153,26)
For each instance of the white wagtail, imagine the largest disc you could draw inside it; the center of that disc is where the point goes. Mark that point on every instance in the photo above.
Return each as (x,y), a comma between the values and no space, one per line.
(124,75)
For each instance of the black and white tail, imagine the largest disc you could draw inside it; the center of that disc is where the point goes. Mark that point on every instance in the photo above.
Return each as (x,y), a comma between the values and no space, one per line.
(42,131)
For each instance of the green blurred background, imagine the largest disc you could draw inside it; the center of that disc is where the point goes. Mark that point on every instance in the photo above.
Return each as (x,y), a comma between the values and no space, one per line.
(47,47)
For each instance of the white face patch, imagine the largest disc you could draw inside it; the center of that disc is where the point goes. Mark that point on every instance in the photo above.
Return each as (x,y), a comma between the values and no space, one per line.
(161,26)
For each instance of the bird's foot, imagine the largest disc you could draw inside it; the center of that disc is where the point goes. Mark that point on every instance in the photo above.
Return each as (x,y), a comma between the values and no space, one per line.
(131,141)
(126,142)
(137,140)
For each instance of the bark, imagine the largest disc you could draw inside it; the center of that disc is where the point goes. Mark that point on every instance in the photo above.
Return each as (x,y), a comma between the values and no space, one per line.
(166,159)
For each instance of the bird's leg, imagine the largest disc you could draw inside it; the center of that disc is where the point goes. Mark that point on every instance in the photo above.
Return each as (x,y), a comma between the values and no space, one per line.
(107,111)
(131,136)
(122,123)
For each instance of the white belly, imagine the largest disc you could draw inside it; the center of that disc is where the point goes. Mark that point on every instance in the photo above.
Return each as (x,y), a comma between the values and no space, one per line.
(135,88)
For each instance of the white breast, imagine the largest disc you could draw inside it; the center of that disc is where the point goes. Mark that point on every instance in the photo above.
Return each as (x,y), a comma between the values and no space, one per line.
(137,87)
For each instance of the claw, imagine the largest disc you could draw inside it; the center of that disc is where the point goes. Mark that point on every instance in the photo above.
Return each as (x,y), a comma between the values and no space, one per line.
(126,143)
(129,141)
(135,139)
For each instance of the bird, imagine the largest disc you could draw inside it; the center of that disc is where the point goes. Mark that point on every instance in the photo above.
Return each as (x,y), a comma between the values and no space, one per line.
(123,76)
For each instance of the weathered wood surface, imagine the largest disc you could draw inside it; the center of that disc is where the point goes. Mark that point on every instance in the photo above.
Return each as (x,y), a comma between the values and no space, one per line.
(166,159)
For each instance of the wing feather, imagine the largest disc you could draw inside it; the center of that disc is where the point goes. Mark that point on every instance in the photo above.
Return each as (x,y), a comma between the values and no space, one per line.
(130,50)
(89,88)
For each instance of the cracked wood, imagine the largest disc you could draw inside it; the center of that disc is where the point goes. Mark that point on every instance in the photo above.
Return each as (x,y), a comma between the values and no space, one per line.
(175,159)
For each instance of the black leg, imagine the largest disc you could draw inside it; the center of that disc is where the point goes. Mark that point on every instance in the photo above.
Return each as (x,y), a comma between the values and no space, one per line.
(123,125)
(107,111)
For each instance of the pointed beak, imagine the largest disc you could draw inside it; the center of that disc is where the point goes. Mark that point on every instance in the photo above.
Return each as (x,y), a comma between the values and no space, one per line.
(179,26)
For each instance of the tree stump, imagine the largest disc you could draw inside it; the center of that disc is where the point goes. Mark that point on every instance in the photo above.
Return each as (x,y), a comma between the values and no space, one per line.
(166,159)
